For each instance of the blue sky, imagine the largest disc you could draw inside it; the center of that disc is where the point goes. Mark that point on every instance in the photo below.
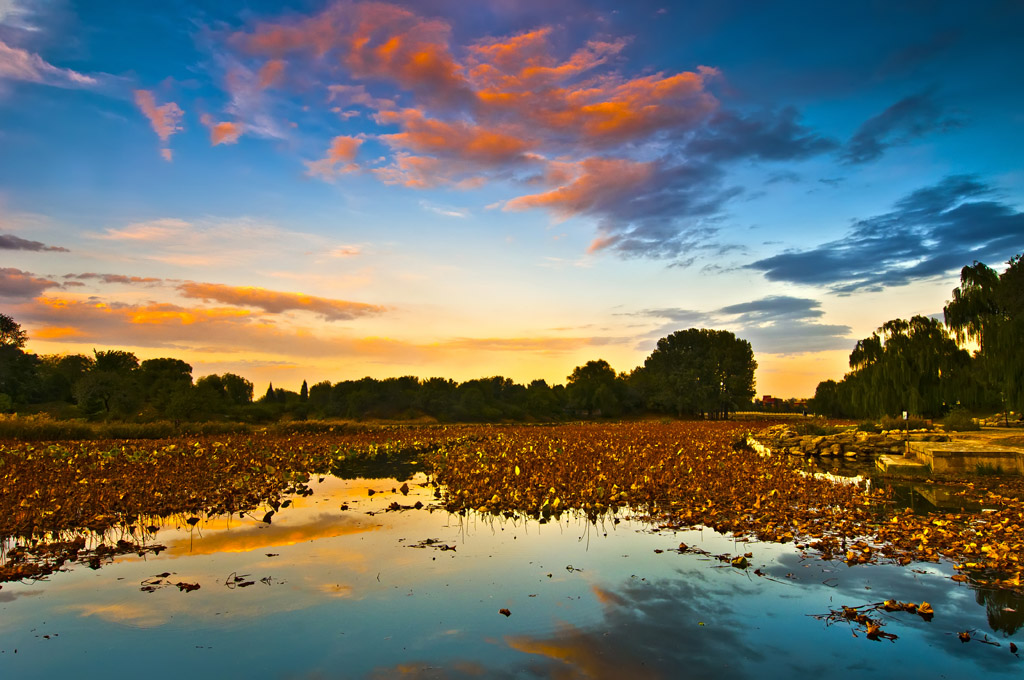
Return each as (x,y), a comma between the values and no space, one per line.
(327,190)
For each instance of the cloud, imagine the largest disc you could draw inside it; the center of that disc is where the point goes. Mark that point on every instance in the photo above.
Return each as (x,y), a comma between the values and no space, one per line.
(114,278)
(593,185)
(344,251)
(908,119)
(271,73)
(277,302)
(486,145)
(250,105)
(519,108)
(644,209)
(776,324)
(932,231)
(254,334)
(153,231)
(165,118)
(22,65)
(775,307)
(12,242)
(520,78)
(371,40)
(223,132)
(767,136)
(15,283)
(340,158)
(444,211)
(356,94)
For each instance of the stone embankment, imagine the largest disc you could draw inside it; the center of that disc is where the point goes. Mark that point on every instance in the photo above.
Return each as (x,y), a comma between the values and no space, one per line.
(784,439)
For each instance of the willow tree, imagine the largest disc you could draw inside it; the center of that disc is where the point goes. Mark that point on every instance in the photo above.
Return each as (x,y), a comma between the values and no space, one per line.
(906,365)
(988,308)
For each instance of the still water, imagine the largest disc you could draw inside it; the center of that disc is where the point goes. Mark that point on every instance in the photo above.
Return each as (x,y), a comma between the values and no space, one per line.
(338,586)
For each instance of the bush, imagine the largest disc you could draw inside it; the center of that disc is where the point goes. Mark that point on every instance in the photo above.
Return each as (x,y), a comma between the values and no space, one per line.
(869,426)
(43,428)
(890,423)
(816,427)
(959,420)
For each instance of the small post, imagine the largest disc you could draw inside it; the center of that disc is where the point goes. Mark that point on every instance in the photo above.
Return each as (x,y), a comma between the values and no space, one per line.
(906,435)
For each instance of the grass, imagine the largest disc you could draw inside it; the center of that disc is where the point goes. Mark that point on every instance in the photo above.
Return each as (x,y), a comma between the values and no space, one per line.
(44,428)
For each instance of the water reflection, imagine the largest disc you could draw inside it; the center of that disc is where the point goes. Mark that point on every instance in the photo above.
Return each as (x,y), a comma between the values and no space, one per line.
(346,596)
(1005,610)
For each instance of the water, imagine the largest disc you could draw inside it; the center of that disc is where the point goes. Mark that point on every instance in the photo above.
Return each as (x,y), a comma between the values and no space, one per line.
(345,594)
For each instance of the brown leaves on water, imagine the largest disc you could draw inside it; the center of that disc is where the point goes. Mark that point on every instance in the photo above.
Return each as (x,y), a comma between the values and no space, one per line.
(689,474)
(682,474)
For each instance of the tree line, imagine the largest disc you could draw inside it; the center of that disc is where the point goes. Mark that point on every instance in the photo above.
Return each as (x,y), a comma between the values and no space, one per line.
(691,373)
(921,365)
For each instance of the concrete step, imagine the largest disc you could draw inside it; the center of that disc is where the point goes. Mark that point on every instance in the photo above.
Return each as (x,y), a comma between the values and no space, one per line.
(901,465)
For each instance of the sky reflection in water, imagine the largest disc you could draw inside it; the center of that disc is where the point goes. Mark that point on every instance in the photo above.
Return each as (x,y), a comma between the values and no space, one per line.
(341,594)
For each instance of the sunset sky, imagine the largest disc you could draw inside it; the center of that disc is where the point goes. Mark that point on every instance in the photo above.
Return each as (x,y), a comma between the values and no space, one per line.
(329,190)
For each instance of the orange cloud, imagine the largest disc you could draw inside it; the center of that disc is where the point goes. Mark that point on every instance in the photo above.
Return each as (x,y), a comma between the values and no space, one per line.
(276,302)
(165,119)
(271,73)
(56,333)
(481,144)
(598,182)
(373,40)
(525,61)
(164,313)
(224,132)
(339,159)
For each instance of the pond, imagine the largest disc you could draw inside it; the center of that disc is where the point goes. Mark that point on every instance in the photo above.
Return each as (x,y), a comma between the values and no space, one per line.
(345,584)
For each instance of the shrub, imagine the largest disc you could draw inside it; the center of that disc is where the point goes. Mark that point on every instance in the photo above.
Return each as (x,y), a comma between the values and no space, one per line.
(816,427)
(869,426)
(959,420)
(890,423)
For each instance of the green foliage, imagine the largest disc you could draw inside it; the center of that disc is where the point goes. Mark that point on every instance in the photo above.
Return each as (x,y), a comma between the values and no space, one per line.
(592,388)
(696,372)
(11,334)
(894,423)
(816,427)
(989,308)
(826,401)
(904,366)
(869,426)
(959,420)
(45,428)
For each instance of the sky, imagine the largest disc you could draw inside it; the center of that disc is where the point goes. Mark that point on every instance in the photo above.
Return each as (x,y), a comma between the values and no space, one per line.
(327,190)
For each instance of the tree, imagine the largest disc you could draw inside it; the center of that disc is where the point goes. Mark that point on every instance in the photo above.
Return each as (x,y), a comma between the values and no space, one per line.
(592,388)
(238,389)
(165,382)
(11,334)
(58,374)
(696,372)
(304,392)
(906,365)
(111,385)
(988,308)
(826,401)
(18,379)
